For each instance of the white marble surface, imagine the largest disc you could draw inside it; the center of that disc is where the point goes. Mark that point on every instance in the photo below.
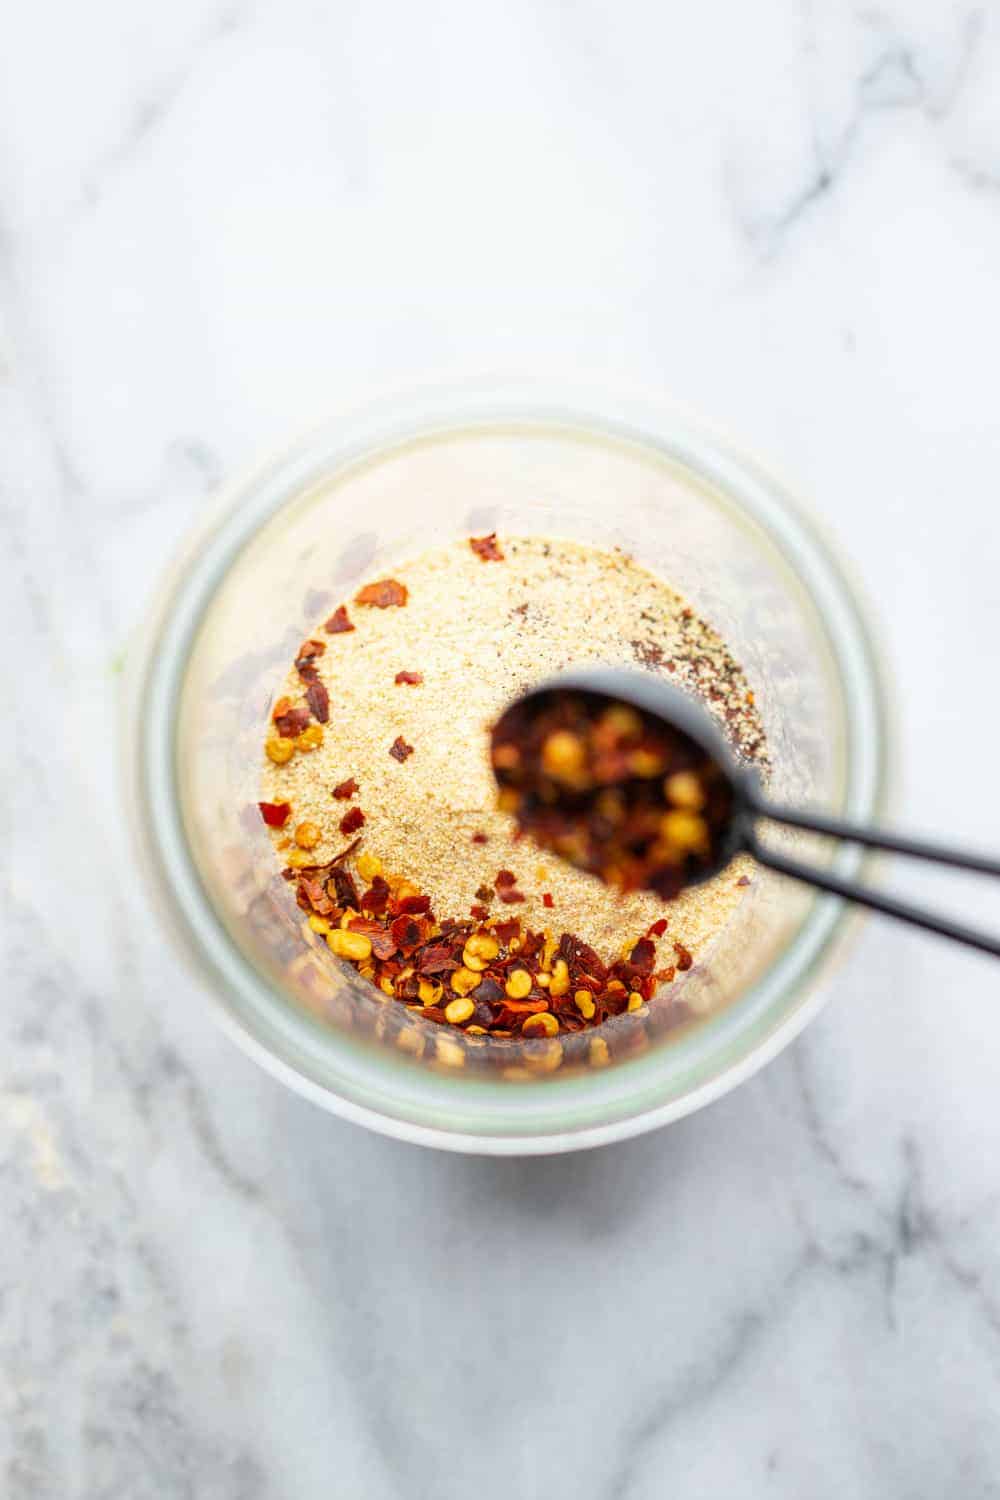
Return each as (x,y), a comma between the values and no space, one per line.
(216,219)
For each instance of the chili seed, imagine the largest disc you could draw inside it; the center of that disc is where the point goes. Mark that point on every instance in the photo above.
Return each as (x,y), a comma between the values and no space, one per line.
(354,945)
(584,1002)
(464,981)
(457,1011)
(518,985)
(542,1024)
(280,751)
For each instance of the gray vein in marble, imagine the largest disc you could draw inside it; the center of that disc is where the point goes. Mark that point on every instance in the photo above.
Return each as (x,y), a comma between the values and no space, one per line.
(154,108)
(892,81)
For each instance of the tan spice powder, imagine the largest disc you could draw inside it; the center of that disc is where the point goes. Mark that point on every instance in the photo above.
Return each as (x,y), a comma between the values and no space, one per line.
(478,633)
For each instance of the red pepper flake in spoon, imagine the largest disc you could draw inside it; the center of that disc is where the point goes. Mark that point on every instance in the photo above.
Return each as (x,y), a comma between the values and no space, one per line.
(505,878)
(480,838)
(400,750)
(275,814)
(510,895)
(413,679)
(345,790)
(352,821)
(547,900)
(658,928)
(486,548)
(383,594)
(339,621)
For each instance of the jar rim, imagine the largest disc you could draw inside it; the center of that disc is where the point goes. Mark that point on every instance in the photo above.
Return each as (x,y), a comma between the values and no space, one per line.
(387,1094)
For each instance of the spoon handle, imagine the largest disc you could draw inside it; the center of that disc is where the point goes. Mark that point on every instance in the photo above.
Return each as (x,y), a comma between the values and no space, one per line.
(890,906)
(876,838)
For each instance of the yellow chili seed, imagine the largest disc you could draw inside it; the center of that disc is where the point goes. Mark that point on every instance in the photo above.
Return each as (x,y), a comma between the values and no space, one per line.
(622,721)
(406,888)
(464,981)
(543,1024)
(548,951)
(563,754)
(479,949)
(354,945)
(280,751)
(560,978)
(584,1002)
(307,835)
(543,980)
(430,991)
(348,917)
(457,1011)
(634,1000)
(545,1059)
(598,1052)
(475,1030)
(449,1052)
(518,985)
(684,789)
(508,800)
(369,866)
(367,971)
(645,763)
(319,924)
(310,737)
(386,986)
(685,830)
(298,859)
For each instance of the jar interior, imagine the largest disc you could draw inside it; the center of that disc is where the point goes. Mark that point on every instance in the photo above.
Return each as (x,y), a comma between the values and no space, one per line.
(349,515)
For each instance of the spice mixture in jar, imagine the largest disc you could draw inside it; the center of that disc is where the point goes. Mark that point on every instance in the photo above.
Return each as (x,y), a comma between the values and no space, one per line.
(379,793)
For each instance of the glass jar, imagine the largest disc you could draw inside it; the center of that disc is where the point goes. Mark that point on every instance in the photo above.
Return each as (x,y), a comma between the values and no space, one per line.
(371,489)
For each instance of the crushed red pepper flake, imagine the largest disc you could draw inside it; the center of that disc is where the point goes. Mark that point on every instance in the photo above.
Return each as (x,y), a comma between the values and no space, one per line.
(684,959)
(412,679)
(504,878)
(344,790)
(352,821)
(486,547)
(407,943)
(547,900)
(384,594)
(509,895)
(291,724)
(275,814)
(318,700)
(480,838)
(657,929)
(479,912)
(339,621)
(400,750)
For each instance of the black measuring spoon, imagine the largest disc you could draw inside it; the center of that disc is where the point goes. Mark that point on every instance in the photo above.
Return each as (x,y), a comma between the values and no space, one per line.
(626,776)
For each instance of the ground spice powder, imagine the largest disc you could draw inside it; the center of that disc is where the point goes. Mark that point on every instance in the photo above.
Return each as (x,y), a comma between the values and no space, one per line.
(477,636)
